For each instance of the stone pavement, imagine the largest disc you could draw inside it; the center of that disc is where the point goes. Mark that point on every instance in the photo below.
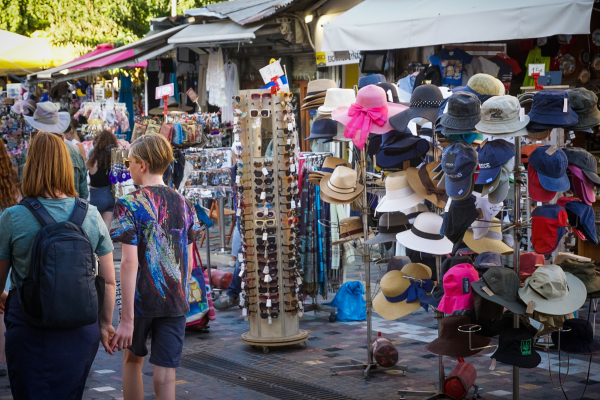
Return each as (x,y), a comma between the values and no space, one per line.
(331,344)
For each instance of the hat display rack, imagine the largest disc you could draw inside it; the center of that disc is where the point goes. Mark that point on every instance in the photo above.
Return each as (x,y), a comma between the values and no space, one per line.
(274,314)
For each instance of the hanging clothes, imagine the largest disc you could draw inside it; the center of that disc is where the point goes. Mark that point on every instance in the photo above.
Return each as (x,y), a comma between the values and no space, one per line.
(215,79)
(232,87)
(126,96)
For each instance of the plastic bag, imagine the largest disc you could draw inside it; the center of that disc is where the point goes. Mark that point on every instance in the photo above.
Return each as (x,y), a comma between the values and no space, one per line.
(350,302)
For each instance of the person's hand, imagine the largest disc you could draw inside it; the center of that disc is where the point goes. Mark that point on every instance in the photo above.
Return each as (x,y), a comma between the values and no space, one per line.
(123,337)
(107,332)
(3,297)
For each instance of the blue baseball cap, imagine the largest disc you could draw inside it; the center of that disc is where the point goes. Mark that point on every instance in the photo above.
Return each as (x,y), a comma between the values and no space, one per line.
(551,169)
(581,217)
(551,107)
(491,157)
(459,162)
(370,80)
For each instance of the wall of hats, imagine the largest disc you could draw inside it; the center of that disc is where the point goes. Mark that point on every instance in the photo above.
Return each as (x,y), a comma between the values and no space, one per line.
(267,195)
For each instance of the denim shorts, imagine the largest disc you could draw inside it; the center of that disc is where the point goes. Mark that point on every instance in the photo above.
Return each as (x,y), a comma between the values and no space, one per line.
(102,199)
(167,339)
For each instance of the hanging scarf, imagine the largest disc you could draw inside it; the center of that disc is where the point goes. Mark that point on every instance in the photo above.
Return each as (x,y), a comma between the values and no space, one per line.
(363,118)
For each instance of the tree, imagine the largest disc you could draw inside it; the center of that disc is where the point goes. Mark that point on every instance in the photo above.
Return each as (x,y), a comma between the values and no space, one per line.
(87,23)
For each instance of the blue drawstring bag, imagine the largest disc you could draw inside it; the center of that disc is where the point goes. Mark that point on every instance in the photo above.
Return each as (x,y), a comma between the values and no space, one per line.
(350,302)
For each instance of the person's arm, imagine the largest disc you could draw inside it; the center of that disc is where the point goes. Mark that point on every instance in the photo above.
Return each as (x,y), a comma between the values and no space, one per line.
(129,268)
(106,270)
(82,188)
(81,150)
(4,269)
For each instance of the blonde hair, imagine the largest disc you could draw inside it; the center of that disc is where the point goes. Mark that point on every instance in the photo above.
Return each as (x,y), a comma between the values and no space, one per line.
(48,168)
(154,150)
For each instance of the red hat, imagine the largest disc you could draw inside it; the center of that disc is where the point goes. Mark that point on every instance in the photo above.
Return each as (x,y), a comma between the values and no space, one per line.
(562,201)
(547,227)
(528,263)
(536,191)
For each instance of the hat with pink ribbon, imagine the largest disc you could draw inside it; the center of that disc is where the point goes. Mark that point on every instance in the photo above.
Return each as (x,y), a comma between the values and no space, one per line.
(369,114)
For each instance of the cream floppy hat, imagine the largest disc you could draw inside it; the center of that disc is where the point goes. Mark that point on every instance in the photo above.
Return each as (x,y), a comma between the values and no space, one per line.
(398,194)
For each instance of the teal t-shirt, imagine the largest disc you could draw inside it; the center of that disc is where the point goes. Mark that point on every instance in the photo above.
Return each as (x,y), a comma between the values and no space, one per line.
(18,228)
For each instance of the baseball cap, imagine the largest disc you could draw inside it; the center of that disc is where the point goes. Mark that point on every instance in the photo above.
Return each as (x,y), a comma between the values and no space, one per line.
(547,227)
(551,168)
(491,157)
(581,217)
(459,162)
(526,152)
(498,189)
(536,191)
(584,160)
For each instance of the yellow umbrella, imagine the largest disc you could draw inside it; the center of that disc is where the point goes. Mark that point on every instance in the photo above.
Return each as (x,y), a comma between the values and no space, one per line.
(35,54)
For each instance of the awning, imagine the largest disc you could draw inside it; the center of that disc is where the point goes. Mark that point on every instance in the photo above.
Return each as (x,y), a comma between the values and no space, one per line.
(104,48)
(216,32)
(396,24)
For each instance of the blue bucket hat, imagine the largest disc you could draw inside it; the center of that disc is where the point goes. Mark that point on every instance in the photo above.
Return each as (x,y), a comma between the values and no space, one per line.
(399,147)
(323,129)
(491,157)
(551,169)
(459,162)
(581,217)
(551,107)
(370,80)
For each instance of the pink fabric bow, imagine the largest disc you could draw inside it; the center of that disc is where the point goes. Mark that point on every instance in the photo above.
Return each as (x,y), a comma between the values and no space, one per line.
(362,118)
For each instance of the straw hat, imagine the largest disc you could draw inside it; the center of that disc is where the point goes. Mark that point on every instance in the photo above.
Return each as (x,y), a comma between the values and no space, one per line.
(425,236)
(337,98)
(329,165)
(390,302)
(492,241)
(398,194)
(318,88)
(341,185)
(350,228)
(422,182)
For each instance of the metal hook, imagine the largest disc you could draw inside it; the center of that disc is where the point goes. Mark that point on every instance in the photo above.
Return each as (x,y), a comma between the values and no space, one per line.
(470,328)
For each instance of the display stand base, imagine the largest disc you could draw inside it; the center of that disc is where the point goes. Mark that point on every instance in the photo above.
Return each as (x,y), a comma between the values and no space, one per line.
(367,368)
(474,393)
(265,343)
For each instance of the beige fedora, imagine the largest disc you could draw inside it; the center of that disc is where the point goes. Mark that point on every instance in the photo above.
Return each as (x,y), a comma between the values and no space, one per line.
(318,88)
(335,98)
(341,185)
(314,104)
(398,194)
(492,241)
(422,182)
(560,257)
(331,200)
(329,165)
(350,228)
(390,302)
(424,235)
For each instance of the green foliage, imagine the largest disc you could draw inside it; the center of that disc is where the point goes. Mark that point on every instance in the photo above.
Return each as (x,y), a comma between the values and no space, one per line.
(87,23)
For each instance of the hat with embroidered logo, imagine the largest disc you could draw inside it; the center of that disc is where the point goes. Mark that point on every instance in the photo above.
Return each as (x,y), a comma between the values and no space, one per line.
(459,162)
(500,117)
(515,347)
(491,157)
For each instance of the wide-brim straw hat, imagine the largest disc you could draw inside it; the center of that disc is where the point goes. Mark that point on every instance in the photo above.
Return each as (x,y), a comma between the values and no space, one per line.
(318,88)
(332,200)
(492,241)
(350,228)
(425,236)
(421,181)
(393,284)
(398,194)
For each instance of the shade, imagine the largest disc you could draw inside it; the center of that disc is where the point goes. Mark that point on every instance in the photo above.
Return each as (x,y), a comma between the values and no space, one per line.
(222,31)
(103,48)
(8,40)
(396,24)
(35,53)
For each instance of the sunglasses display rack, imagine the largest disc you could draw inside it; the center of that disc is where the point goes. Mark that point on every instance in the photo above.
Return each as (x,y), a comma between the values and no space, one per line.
(266,192)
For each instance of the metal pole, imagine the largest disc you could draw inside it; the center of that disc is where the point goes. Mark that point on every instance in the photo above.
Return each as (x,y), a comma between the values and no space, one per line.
(221,201)
(516,232)
(208,270)
(366,255)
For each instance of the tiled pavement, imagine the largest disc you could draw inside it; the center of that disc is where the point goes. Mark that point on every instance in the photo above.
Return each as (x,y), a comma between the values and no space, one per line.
(332,344)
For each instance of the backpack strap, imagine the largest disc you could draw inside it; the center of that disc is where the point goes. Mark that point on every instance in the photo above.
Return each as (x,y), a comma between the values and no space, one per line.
(37,209)
(79,211)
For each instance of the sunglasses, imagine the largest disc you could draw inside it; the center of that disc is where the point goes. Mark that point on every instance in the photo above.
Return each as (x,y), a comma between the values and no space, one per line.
(260,173)
(286,96)
(272,264)
(270,231)
(263,298)
(266,113)
(268,289)
(259,223)
(264,307)
(261,214)
(258,96)
(270,248)
(270,240)
(267,199)
(271,257)
(264,315)
(266,163)
(291,221)
(287,147)
(266,181)
(267,190)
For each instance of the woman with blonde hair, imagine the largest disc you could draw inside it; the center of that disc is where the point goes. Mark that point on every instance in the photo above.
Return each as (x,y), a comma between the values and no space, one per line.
(46,363)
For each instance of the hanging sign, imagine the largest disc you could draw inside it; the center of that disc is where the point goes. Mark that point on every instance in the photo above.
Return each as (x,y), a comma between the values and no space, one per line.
(192,95)
(536,68)
(333,58)
(99,93)
(13,90)
(165,91)
(273,70)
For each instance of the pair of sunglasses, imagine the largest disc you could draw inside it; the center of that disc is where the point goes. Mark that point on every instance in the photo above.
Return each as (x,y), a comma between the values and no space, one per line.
(265,113)
(266,181)
(267,190)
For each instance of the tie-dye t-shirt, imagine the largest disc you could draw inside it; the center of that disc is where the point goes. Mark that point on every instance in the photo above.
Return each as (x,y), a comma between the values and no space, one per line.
(161,223)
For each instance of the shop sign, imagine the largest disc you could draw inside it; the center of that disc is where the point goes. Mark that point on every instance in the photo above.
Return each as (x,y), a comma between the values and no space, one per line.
(13,90)
(273,70)
(536,68)
(192,95)
(99,93)
(164,91)
(332,58)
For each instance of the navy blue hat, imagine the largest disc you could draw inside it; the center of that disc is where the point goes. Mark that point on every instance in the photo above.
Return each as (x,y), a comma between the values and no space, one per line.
(491,157)
(581,217)
(459,162)
(398,147)
(551,169)
(551,107)
(370,80)
(323,129)
(535,127)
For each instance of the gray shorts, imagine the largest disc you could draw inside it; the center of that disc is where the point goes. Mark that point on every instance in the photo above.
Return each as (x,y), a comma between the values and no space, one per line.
(167,339)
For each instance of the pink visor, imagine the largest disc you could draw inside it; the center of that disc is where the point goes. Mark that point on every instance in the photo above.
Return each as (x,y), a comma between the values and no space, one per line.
(582,185)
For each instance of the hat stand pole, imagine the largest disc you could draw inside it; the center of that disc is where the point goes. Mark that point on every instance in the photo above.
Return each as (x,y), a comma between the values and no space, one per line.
(370,365)
(517,245)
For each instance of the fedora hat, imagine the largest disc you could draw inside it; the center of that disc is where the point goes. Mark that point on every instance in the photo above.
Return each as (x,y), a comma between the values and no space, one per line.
(369,114)
(389,225)
(454,343)
(335,98)
(553,291)
(425,236)
(350,228)
(401,291)
(329,165)
(313,104)
(422,182)
(318,88)
(47,118)
(323,129)
(341,185)
(579,339)
(398,194)
(492,241)
(500,286)
(424,102)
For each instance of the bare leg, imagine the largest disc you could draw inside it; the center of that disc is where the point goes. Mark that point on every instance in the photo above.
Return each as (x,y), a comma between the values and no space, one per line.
(133,384)
(107,217)
(164,383)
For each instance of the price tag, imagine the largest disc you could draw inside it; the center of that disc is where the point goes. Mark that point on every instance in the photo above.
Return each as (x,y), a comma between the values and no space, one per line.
(243,284)
(270,319)
(293,204)
(551,150)
(289,141)
(235,120)
(265,209)
(446,108)
(530,307)
(536,68)
(565,104)
(521,114)
(290,126)
(448,204)
(164,90)
(265,171)
(263,195)
(299,281)
(244,312)
(192,95)
(267,278)
(241,301)
(266,269)
(487,291)
(271,71)
(240,257)
(293,167)
(238,179)
(268,303)
(539,204)
(238,212)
